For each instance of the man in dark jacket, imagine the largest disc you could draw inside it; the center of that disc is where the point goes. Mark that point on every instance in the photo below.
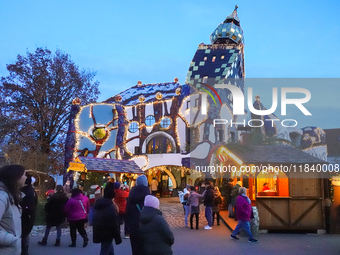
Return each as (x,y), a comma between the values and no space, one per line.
(156,234)
(29,208)
(234,195)
(134,205)
(209,202)
(105,221)
(55,215)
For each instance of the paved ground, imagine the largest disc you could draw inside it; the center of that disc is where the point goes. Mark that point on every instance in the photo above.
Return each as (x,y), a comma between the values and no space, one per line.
(212,242)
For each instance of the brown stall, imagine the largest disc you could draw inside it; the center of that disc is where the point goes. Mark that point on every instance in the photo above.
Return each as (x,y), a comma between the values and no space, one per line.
(289,195)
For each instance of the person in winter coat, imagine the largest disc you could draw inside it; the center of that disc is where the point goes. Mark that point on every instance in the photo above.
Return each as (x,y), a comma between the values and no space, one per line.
(29,207)
(77,209)
(55,214)
(105,221)
(12,178)
(216,208)
(209,202)
(193,202)
(134,205)
(243,213)
(228,189)
(122,193)
(183,197)
(156,234)
(234,195)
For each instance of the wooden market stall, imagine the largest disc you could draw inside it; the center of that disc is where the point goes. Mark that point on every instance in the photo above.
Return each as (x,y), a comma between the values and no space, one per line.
(288,195)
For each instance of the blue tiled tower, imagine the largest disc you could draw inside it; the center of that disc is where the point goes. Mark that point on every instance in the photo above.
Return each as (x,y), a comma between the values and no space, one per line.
(223,60)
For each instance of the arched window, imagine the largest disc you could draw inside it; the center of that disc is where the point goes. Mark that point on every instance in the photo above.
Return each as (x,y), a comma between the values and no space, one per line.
(158,145)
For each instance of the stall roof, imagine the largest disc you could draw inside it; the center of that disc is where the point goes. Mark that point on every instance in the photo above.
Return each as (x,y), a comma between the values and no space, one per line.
(255,154)
(110,165)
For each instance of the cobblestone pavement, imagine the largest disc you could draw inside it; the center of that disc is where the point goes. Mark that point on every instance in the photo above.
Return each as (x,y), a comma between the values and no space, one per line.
(171,208)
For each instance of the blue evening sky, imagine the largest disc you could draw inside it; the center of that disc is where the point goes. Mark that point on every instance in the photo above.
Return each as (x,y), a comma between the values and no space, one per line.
(155,41)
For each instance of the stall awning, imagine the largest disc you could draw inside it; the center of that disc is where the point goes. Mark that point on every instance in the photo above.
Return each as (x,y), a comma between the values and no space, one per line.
(105,165)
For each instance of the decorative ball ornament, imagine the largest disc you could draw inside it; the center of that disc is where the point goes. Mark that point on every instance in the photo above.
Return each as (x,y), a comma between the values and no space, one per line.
(176,80)
(222,158)
(99,133)
(141,98)
(139,83)
(257,98)
(118,98)
(76,101)
(159,95)
(178,91)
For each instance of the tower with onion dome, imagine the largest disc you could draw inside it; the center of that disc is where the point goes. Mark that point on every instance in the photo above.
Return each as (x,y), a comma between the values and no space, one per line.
(221,62)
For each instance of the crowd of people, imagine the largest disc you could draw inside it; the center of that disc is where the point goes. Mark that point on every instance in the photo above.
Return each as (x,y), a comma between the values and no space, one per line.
(136,209)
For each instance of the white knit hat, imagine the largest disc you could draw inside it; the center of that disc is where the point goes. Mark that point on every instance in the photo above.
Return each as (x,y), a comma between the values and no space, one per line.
(151,201)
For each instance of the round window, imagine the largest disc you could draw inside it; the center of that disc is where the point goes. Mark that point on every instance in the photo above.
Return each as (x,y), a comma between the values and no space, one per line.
(133,127)
(165,122)
(150,120)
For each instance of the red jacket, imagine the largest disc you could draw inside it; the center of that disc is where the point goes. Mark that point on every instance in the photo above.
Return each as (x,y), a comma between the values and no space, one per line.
(120,199)
(243,208)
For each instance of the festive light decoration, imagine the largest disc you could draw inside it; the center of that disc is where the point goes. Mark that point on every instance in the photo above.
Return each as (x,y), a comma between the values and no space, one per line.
(222,158)
(159,95)
(141,98)
(118,98)
(76,101)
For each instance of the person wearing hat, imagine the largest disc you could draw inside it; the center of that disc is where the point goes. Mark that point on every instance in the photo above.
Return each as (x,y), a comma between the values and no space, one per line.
(29,207)
(155,231)
(105,221)
(134,206)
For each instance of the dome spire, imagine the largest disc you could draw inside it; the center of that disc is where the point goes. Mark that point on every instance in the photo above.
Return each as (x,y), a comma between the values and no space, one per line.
(229,32)
(233,18)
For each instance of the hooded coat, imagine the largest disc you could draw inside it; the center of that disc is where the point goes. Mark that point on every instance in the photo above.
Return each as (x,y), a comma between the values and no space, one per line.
(209,196)
(156,234)
(105,222)
(134,205)
(54,209)
(10,224)
(74,210)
